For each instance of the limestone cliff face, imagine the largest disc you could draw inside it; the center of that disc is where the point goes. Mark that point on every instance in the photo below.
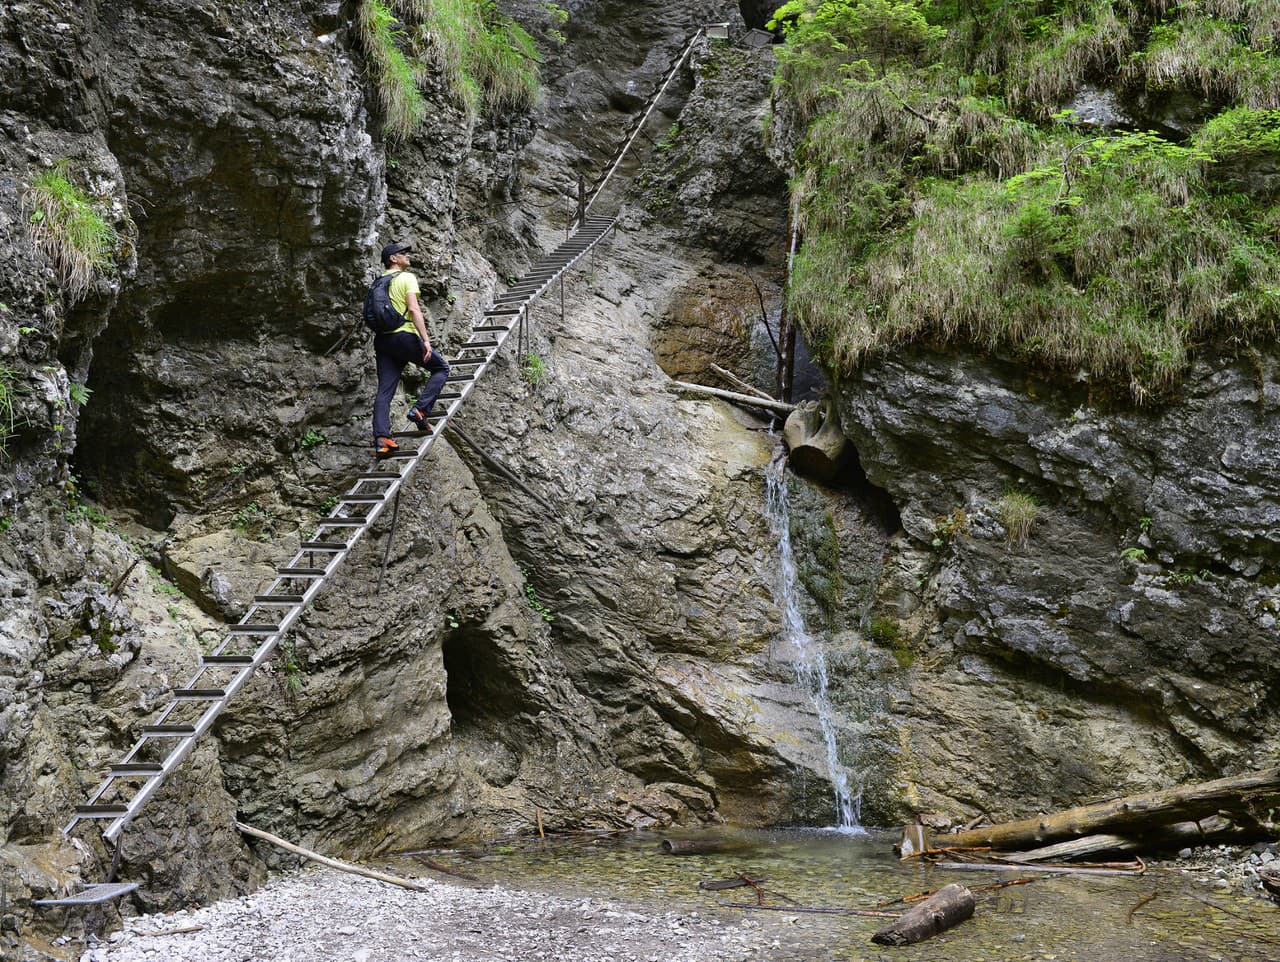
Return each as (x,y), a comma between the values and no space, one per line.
(1130,640)
(603,653)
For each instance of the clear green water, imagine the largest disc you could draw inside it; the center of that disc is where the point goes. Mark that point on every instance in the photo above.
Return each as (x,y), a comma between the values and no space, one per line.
(1068,918)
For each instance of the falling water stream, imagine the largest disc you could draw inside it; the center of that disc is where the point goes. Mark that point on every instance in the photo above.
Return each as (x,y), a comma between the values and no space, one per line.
(810,664)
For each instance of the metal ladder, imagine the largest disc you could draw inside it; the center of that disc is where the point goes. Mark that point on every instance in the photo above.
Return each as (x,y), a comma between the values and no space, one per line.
(632,130)
(163,744)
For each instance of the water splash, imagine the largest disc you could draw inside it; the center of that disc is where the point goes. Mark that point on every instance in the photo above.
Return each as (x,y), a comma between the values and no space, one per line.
(810,664)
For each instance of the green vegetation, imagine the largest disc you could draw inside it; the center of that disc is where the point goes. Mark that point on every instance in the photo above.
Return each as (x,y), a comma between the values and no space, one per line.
(949,528)
(947,200)
(69,230)
(1017,512)
(385,41)
(541,610)
(535,369)
(79,394)
(312,439)
(1134,555)
(886,633)
(8,418)
(489,62)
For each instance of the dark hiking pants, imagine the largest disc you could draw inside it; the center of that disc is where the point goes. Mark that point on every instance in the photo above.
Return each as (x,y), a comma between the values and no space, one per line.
(393,352)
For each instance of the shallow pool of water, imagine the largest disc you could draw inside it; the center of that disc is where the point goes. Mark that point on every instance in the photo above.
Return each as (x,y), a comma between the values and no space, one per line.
(1067,918)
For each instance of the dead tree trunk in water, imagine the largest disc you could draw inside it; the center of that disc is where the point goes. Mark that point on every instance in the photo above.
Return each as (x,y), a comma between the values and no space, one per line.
(948,906)
(1134,815)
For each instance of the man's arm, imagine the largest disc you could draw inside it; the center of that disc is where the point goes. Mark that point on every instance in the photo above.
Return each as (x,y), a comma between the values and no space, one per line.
(415,313)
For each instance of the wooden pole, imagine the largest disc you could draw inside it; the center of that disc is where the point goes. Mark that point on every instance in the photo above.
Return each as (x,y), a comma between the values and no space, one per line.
(1134,814)
(739,383)
(331,862)
(738,398)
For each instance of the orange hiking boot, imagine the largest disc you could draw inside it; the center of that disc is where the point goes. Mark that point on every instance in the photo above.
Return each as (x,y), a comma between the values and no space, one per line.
(385,448)
(419,420)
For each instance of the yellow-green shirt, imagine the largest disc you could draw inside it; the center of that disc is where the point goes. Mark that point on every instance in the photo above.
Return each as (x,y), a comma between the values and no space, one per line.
(402,285)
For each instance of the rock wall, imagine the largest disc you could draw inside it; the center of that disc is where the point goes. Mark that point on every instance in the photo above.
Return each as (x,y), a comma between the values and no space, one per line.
(1128,641)
(606,660)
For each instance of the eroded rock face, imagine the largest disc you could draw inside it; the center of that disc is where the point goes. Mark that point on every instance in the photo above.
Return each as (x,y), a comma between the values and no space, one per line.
(606,660)
(1130,641)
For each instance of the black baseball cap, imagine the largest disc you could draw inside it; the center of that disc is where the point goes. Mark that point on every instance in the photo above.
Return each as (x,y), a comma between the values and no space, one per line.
(397,248)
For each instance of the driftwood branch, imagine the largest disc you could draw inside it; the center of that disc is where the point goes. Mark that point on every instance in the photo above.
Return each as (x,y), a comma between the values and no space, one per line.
(736,398)
(1132,815)
(740,384)
(330,862)
(811,910)
(1051,869)
(764,319)
(947,907)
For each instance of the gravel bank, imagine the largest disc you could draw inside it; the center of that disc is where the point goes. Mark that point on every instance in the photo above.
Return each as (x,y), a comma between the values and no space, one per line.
(322,914)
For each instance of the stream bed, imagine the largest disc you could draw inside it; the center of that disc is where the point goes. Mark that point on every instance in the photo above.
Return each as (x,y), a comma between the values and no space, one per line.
(1068,917)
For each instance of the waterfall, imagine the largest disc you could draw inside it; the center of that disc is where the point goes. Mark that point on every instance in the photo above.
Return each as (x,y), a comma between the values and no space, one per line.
(810,664)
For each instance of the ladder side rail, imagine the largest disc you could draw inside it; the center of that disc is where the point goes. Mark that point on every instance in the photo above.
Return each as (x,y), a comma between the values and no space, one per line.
(622,152)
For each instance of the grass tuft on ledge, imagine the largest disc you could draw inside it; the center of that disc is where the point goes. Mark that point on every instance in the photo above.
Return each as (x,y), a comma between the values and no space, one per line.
(69,230)
(945,199)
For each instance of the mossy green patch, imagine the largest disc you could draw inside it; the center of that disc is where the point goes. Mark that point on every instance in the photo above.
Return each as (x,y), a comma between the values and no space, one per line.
(946,199)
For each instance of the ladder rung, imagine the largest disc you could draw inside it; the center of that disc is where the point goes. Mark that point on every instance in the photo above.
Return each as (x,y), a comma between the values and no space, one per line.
(340,545)
(402,455)
(448,397)
(361,498)
(227,661)
(492,327)
(370,476)
(294,573)
(258,629)
(408,434)
(286,601)
(198,694)
(101,811)
(168,731)
(125,769)
(343,522)
(467,361)
(460,377)
(491,312)
(479,345)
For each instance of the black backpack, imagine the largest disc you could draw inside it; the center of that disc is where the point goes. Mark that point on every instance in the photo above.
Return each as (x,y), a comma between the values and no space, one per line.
(380,315)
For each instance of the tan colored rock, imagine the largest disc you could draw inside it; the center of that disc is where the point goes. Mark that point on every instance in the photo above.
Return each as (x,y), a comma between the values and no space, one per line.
(817,442)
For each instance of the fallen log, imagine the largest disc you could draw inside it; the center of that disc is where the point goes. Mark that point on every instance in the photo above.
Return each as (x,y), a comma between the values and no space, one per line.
(947,907)
(719,885)
(330,862)
(1051,869)
(746,399)
(1132,815)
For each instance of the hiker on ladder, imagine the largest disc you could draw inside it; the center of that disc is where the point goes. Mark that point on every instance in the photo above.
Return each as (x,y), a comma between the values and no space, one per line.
(401,345)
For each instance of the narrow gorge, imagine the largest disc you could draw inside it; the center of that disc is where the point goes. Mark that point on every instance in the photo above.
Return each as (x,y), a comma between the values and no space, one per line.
(1032,581)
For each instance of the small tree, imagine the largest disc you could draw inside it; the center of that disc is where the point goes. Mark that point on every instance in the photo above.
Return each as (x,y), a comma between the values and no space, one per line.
(858,30)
